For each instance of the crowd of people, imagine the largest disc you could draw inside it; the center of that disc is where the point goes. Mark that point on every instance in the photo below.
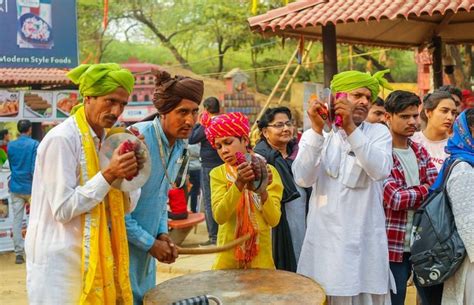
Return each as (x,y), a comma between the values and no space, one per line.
(336,205)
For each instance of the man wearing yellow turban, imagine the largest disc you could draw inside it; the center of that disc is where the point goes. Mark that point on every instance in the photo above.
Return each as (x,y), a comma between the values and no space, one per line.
(345,246)
(76,245)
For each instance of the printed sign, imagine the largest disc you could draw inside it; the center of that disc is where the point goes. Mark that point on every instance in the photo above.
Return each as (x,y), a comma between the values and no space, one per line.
(37,105)
(65,101)
(38,33)
(137,111)
(9,104)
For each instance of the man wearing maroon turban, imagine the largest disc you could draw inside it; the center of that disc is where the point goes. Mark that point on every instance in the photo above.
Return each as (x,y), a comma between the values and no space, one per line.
(177,100)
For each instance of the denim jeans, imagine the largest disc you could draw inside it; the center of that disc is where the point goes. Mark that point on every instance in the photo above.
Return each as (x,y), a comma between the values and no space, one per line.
(206,192)
(18,209)
(401,272)
(431,295)
(195,179)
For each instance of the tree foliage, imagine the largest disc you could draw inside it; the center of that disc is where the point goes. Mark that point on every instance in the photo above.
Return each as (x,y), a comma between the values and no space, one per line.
(211,37)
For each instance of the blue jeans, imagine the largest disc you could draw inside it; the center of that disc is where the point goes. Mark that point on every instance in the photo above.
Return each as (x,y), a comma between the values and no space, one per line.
(401,272)
(195,179)
(206,193)
(431,295)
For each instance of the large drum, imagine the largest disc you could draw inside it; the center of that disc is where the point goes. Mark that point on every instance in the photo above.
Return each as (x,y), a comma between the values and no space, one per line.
(254,286)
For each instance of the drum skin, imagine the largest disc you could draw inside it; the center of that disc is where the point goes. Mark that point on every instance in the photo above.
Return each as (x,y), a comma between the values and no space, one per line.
(252,286)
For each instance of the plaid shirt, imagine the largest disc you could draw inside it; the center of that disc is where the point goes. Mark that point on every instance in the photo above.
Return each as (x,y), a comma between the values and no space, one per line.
(398,198)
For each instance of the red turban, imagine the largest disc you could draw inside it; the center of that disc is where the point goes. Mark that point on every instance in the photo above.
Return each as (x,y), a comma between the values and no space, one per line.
(233,124)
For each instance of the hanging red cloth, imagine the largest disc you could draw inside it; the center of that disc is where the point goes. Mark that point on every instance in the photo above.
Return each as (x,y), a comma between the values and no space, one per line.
(106,14)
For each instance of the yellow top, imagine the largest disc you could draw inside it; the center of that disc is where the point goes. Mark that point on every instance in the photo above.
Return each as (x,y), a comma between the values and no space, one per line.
(224,199)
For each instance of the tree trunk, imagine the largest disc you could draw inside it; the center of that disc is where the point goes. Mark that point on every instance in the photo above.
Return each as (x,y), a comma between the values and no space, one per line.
(375,62)
(176,53)
(221,51)
(458,67)
(221,62)
(253,56)
(468,66)
(139,16)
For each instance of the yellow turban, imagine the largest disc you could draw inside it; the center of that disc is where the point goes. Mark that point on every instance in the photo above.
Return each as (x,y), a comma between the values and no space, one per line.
(101,79)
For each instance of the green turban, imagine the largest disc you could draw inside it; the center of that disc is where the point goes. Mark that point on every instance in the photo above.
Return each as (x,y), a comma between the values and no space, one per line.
(351,80)
(101,79)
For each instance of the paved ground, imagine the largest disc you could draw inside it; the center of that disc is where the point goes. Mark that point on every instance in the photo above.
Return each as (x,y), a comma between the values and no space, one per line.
(12,277)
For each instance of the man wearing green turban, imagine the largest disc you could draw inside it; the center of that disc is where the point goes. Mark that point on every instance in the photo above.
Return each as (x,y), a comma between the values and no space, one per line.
(77,251)
(345,246)
(351,80)
(101,79)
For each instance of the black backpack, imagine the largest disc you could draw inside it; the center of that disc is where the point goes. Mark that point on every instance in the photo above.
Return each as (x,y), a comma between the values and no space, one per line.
(437,250)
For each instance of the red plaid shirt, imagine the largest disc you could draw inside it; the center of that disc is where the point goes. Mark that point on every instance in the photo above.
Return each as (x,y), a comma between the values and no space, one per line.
(398,198)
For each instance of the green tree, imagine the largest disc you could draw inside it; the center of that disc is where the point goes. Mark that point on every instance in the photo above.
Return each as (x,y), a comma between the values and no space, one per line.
(224,27)
(165,20)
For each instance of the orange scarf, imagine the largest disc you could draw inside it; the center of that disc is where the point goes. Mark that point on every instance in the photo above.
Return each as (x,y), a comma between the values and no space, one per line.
(246,224)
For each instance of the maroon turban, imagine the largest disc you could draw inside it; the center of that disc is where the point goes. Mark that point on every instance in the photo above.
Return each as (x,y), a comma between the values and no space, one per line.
(170,91)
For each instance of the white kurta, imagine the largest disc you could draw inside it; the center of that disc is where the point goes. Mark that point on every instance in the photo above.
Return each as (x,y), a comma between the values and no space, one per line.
(345,247)
(54,237)
(459,288)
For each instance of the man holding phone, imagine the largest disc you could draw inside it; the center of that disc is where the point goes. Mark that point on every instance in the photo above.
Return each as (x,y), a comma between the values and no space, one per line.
(345,247)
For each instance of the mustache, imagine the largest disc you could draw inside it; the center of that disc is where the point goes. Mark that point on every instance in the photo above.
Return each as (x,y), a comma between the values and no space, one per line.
(111,117)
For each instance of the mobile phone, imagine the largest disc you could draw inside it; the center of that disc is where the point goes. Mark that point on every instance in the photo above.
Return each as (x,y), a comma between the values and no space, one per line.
(338,118)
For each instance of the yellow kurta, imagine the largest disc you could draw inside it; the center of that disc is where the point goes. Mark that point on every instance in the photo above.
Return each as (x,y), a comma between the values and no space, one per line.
(224,200)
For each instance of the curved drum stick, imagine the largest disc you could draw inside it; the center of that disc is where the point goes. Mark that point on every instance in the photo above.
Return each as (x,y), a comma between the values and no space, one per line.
(218,249)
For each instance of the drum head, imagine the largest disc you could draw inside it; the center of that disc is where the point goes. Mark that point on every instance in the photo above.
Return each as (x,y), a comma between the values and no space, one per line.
(112,141)
(250,287)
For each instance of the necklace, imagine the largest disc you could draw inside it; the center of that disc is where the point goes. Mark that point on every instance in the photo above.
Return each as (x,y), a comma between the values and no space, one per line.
(162,152)
(183,161)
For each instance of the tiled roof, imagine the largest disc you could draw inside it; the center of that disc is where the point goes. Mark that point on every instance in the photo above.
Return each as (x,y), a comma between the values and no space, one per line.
(33,76)
(298,17)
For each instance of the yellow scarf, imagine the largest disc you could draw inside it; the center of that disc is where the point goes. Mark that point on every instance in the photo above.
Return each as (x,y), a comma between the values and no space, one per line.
(105,260)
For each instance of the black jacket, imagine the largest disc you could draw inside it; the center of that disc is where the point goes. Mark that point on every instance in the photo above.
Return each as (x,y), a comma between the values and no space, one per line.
(208,155)
(282,245)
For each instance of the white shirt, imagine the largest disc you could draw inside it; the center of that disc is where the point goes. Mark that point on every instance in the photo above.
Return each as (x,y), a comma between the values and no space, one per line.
(434,148)
(54,236)
(345,247)
(409,164)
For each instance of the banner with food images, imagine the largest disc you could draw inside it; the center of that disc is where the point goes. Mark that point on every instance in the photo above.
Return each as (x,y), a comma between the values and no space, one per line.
(38,34)
(37,105)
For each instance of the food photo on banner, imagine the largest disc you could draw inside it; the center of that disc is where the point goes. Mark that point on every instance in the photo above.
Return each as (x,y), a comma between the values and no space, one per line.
(38,34)
(9,104)
(34,24)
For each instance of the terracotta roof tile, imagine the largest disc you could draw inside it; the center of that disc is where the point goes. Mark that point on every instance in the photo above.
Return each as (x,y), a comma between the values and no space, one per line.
(305,13)
(32,76)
